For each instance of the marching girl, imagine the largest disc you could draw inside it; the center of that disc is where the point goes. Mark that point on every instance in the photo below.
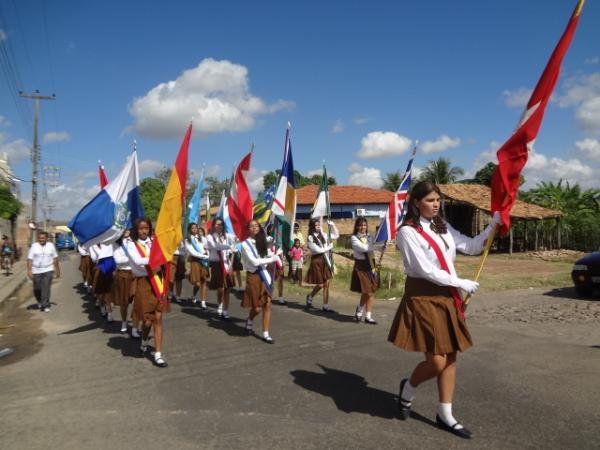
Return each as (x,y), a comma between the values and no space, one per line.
(430,318)
(85,266)
(122,281)
(102,256)
(364,277)
(195,245)
(177,272)
(148,307)
(319,271)
(220,246)
(256,257)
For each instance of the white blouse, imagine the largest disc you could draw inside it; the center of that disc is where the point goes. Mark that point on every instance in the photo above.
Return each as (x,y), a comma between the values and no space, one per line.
(82,250)
(99,251)
(137,262)
(361,249)
(191,249)
(251,260)
(420,261)
(121,256)
(216,244)
(315,247)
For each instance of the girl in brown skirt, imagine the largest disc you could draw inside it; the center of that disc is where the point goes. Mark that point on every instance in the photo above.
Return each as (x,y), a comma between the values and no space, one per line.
(123,278)
(364,276)
(195,246)
(257,295)
(430,318)
(147,306)
(102,256)
(320,269)
(85,267)
(220,246)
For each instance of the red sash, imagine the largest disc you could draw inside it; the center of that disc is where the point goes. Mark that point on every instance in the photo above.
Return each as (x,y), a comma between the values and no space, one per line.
(158,287)
(458,301)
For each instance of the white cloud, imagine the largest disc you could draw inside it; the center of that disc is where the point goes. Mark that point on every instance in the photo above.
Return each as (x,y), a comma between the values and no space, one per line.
(442,143)
(56,136)
(486,156)
(592,60)
(381,144)
(254,178)
(364,176)
(338,126)
(589,148)
(3,36)
(215,93)
(361,120)
(150,166)
(583,93)
(541,168)
(16,150)
(4,122)
(517,98)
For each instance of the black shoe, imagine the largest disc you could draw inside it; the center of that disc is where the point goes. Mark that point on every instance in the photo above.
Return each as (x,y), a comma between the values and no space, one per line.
(160,362)
(356,316)
(225,318)
(460,432)
(403,405)
(327,310)
(268,340)
(308,302)
(370,321)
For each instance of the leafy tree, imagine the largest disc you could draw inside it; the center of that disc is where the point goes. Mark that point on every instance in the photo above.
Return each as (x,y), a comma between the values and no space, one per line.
(484,175)
(163,175)
(441,171)
(152,191)
(215,188)
(392,180)
(10,206)
(271,178)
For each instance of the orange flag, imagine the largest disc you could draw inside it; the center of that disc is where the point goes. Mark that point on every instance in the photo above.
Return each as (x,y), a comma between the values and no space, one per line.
(168,234)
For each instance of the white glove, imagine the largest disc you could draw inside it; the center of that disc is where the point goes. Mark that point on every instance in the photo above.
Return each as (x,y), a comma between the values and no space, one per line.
(469,286)
(329,247)
(496,219)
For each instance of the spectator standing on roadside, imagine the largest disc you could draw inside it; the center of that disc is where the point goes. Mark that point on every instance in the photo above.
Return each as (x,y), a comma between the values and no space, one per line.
(42,266)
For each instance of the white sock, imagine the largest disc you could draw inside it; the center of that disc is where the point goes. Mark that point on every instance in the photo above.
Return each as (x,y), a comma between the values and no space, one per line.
(157,355)
(144,342)
(220,308)
(445,413)
(326,306)
(368,314)
(408,393)
(359,311)
(265,334)
(249,324)
(203,303)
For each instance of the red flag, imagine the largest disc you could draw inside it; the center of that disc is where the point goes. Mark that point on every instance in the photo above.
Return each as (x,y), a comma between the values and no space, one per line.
(102,175)
(239,201)
(512,156)
(168,234)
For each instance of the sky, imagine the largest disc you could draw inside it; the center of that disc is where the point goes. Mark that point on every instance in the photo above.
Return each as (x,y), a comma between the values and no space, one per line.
(359,81)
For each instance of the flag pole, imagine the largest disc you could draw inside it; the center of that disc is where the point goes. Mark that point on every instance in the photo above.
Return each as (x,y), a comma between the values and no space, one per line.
(486,250)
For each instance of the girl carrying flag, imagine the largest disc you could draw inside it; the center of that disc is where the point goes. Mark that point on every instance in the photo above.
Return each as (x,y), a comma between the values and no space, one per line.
(123,278)
(364,275)
(195,245)
(220,246)
(320,270)
(149,301)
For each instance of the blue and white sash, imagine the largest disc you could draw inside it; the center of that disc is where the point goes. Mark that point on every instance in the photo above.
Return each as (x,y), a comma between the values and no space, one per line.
(199,249)
(262,272)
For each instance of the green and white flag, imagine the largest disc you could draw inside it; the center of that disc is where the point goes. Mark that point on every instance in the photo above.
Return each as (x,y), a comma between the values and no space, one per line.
(321,206)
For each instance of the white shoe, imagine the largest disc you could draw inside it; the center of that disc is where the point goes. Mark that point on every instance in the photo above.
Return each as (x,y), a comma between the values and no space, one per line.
(109,317)
(135,333)
(281,301)
(203,305)
(46,309)
(124,327)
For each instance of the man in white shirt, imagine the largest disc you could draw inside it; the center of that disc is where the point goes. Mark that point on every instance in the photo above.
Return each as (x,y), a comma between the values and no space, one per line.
(42,266)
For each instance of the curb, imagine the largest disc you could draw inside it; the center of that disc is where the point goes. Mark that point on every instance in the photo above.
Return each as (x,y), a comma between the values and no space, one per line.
(14,283)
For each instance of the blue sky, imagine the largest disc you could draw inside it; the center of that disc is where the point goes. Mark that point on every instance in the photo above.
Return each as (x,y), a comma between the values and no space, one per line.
(359,81)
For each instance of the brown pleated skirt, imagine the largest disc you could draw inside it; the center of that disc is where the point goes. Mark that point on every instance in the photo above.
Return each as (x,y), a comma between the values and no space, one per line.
(85,266)
(427,320)
(102,282)
(256,294)
(218,279)
(122,294)
(145,302)
(198,273)
(363,279)
(176,268)
(318,270)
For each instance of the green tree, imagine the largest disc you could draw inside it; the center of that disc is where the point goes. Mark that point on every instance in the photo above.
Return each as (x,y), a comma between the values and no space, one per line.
(391,181)
(271,178)
(441,171)
(215,188)
(152,191)
(10,207)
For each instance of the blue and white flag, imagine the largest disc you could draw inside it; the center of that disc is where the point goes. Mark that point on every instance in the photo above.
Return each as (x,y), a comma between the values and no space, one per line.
(223,213)
(194,205)
(112,210)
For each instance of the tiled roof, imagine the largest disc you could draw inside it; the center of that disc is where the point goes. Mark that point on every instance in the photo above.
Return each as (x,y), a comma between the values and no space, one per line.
(344,195)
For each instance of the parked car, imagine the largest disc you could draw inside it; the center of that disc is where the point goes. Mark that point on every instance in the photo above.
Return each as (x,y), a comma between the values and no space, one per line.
(64,241)
(586,274)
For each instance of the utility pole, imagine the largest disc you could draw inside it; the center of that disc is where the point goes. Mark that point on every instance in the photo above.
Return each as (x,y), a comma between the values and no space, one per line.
(51,181)
(35,154)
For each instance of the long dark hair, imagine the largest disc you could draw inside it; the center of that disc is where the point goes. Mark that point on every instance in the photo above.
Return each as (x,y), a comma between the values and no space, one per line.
(419,191)
(189,230)
(358,222)
(312,231)
(214,223)
(261,240)
(134,231)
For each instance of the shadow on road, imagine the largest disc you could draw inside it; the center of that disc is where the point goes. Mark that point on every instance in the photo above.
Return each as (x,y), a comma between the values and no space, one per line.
(569,293)
(128,346)
(230,327)
(319,312)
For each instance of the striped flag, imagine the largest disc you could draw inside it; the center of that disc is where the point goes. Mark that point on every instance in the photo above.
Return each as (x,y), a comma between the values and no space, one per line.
(195,202)
(239,201)
(396,209)
(322,208)
(284,202)
(512,156)
(168,234)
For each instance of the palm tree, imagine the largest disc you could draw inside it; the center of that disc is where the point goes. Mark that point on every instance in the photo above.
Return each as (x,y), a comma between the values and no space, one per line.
(441,171)
(391,181)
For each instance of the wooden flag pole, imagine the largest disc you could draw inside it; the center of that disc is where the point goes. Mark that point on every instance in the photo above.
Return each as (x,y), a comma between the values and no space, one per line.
(486,250)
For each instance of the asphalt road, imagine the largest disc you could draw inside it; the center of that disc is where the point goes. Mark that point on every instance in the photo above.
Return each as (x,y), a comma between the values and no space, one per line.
(75,382)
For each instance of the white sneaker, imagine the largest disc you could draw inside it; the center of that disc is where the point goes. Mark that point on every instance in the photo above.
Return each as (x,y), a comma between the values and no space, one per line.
(124,327)
(203,305)
(109,317)
(46,309)
(135,333)
(281,301)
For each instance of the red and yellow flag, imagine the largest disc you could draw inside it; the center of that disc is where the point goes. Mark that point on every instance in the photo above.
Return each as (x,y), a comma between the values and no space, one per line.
(168,234)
